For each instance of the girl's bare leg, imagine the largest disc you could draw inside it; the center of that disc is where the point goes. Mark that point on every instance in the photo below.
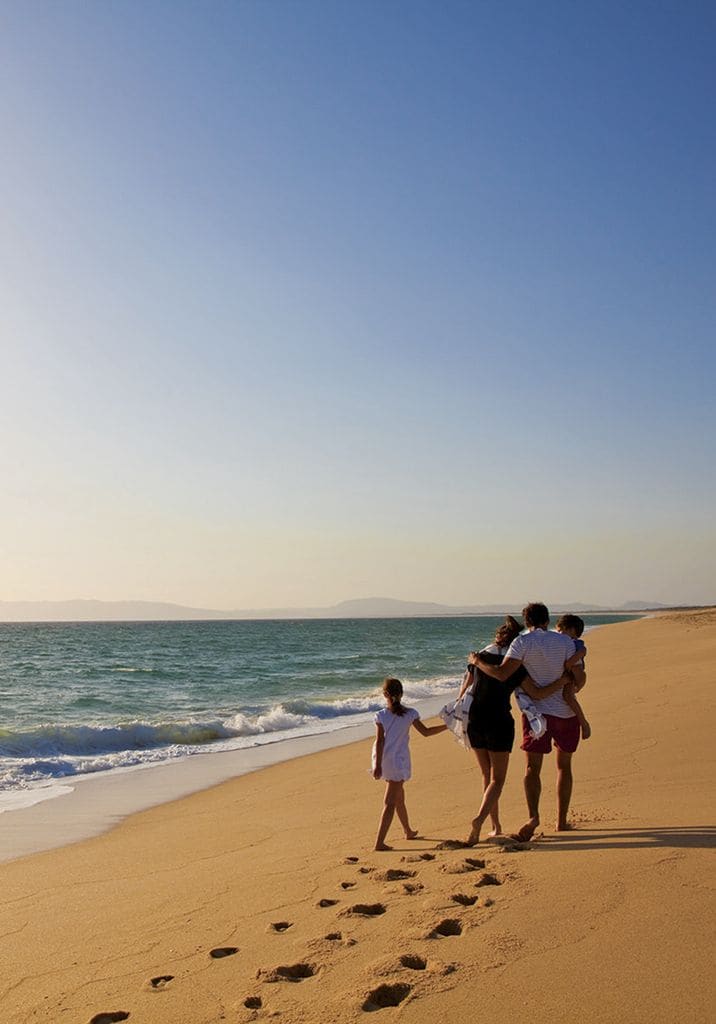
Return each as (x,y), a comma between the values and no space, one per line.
(483,759)
(390,802)
(499,759)
(402,811)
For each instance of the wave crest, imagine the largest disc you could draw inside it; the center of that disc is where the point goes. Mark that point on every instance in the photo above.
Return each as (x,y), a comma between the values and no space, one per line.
(32,756)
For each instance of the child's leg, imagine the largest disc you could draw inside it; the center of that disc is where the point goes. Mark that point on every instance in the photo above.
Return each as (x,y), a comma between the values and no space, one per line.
(483,759)
(402,811)
(499,759)
(389,805)
(570,698)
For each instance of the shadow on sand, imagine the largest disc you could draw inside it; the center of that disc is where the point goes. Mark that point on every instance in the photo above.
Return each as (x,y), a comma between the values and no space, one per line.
(694,837)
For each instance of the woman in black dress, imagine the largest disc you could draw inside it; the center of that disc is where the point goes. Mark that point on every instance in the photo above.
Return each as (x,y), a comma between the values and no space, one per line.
(491,727)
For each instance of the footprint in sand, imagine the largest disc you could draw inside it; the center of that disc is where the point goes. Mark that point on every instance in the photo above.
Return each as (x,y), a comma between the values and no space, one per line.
(351,860)
(287,972)
(366,870)
(221,951)
(327,903)
(488,879)
(161,981)
(410,888)
(413,962)
(468,864)
(394,875)
(447,928)
(463,900)
(109,1018)
(386,995)
(413,858)
(366,910)
(334,936)
(280,926)
(348,885)
(508,844)
(451,844)
(253,1002)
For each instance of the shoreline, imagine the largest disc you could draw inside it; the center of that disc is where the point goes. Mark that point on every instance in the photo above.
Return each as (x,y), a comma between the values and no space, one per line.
(78,809)
(74,809)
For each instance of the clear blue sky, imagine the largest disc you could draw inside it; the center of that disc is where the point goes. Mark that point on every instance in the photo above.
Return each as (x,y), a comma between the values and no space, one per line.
(303,301)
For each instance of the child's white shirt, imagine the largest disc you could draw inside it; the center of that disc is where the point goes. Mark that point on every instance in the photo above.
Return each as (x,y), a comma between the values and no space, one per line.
(395,764)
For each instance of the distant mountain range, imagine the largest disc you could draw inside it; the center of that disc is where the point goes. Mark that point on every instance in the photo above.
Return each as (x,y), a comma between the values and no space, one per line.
(358,608)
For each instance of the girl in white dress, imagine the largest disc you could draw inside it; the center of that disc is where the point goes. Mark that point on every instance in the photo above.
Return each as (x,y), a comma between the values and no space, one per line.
(391,756)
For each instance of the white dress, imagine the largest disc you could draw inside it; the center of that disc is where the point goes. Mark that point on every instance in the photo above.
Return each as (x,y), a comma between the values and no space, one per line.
(395,765)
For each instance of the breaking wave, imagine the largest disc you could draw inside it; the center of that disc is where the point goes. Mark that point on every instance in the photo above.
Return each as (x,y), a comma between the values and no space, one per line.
(49,752)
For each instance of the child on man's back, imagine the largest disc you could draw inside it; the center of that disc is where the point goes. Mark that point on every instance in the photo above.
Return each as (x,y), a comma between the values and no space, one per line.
(573,626)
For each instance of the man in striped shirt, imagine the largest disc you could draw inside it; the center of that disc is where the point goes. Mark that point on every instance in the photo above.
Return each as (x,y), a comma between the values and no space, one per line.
(546,655)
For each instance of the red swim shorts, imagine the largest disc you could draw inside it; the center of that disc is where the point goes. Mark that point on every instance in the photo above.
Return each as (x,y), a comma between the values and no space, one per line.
(564,732)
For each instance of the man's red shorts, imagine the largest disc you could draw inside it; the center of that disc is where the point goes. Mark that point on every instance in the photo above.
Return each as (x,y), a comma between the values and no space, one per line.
(564,732)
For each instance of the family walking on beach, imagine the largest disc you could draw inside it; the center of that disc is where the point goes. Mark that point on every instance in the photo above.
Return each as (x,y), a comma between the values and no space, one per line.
(545,670)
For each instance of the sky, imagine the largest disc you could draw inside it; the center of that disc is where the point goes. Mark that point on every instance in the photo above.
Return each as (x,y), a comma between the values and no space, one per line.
(309,300)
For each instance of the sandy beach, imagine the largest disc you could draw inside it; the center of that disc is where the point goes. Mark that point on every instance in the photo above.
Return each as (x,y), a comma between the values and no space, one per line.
(261,897)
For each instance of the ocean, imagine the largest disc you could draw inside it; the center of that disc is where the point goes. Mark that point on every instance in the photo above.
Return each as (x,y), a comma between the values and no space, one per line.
(82,698)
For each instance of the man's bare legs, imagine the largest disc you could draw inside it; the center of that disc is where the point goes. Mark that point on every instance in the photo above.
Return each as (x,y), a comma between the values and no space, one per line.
(533,791)
(564,788)
(393,803)
(494,771)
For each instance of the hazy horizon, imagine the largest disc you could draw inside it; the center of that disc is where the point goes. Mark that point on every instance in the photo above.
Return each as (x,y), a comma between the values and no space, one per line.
(302,301)
(376,606)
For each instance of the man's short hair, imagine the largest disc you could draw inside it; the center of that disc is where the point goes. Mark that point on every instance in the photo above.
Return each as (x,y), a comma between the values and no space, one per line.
(569,621)
(536,615)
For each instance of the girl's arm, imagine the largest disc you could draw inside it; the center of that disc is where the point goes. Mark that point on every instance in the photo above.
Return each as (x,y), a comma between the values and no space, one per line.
(379,744)
(429,730)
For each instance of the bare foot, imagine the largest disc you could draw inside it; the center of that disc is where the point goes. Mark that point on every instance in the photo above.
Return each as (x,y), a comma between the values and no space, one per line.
(527,831)
(474,838)
(382,847)
(586,731)
(496,831)
(412,833)
(564,826)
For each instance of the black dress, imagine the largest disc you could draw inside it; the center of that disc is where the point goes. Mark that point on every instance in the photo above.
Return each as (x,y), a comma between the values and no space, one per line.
(490,723)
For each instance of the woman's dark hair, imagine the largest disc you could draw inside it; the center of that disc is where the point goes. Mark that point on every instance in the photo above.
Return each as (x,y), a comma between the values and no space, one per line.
(507,632)
(393,691)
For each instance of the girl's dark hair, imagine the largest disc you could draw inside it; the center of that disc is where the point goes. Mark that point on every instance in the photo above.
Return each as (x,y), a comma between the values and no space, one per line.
(393,691)
(507,632)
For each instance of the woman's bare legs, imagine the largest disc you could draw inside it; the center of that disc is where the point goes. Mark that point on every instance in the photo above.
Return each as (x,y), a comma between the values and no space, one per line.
(483,759)
(497,761)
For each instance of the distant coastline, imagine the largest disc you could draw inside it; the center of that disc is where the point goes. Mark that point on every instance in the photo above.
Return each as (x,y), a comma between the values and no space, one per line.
(368,608)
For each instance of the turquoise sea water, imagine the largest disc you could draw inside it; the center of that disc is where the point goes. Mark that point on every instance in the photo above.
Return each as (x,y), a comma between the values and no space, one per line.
(79,698)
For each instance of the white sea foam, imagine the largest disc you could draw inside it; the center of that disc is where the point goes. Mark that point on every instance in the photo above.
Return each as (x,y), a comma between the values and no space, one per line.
(20,799)
(33,758)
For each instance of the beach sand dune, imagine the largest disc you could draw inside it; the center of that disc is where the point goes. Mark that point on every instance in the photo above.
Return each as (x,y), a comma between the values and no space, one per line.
(262,897)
